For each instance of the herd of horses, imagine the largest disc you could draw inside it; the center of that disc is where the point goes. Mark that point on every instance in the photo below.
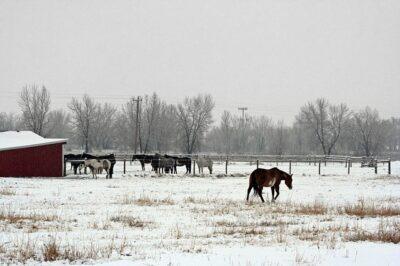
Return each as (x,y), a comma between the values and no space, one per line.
(159,163)
(258,179)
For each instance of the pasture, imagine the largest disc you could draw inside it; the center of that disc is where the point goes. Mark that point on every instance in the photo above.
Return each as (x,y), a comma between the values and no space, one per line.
(143,218)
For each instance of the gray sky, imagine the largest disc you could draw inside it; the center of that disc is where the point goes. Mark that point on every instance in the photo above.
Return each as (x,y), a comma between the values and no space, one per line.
(272,56)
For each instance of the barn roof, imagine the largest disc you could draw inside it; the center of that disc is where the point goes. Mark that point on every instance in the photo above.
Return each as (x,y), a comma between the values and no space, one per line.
(10,140)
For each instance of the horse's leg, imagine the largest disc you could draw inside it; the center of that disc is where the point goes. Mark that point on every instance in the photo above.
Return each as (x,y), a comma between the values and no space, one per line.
(260,189)
(277,192)
(273,193)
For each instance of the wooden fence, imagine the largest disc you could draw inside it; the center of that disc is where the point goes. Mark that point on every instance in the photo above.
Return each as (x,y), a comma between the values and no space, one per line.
(315,160)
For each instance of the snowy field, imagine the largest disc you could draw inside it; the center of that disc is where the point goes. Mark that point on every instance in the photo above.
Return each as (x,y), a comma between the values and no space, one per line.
(140,218)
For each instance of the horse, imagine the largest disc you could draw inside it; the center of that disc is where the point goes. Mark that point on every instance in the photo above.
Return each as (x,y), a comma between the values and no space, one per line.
(76,161)
(181,161)
(143,159)
(94,166)
(261,178)
(109,157)
(204,162)
(97,166)
(160,162)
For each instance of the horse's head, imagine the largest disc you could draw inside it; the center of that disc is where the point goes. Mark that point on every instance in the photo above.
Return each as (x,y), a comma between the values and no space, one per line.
(288,180)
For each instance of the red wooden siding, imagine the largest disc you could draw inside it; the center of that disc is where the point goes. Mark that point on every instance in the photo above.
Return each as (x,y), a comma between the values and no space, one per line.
(32,162)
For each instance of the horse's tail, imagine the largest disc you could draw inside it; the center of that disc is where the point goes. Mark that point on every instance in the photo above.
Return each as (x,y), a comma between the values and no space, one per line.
(253,183)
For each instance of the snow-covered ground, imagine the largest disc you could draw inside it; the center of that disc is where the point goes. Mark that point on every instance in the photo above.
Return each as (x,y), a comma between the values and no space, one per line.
(141,218)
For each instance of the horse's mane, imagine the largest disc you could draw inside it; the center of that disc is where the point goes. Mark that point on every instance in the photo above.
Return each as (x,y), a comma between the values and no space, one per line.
(283,173)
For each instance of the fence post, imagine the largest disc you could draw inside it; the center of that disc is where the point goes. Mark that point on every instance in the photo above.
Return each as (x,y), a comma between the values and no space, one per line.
(226,165)
(194,167)
(124,166)
(348,165)
(376,166)
(290,166)
(389,167)
(258,163)
(319,167)
(65,168)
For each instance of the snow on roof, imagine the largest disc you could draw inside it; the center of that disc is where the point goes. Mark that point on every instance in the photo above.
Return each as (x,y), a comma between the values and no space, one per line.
(10,140)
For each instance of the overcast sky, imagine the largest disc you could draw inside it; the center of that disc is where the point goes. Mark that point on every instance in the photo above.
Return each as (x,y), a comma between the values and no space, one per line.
(271,56)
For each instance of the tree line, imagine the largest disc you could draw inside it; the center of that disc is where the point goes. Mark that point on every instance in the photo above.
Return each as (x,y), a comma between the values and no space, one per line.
(149,124)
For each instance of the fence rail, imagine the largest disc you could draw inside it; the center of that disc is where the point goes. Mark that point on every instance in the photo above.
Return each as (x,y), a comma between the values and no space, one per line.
(316,160)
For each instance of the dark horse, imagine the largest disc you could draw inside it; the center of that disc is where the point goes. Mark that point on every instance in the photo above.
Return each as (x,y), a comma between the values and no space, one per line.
(261,178)
(181,161)
(143,159)
(161,163)
(76,160)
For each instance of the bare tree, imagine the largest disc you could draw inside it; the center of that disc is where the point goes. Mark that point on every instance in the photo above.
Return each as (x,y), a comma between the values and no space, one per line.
(35,106)
(326,121)
(262,131)
(371,131)
(59,124)
(394,134)
(8,121)
(103,128)
(165,138)
(226,129)
(194,117)
(279,138)
(83,118)
(150,117)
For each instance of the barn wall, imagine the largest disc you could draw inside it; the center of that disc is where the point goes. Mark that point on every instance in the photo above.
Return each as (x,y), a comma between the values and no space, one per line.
(37,161)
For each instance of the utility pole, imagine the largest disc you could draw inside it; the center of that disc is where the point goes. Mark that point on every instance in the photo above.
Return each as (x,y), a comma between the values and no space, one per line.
(137,122)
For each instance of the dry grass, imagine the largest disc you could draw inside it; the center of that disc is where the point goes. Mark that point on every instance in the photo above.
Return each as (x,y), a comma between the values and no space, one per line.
(145,200)
(369,209)
(281,234)
(265,222)
(218,201)
(129,221)
(105,225)
(51,251)
(13,217)
(239,231)
(388,232)
(24,249)
(7,191)
(126,199)
(176,232)
(316,208)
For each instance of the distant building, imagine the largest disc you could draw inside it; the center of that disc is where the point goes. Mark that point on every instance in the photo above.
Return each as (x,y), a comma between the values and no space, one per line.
(26,154)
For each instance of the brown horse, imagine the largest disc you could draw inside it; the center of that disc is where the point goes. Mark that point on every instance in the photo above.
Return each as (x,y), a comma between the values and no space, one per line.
(261,178)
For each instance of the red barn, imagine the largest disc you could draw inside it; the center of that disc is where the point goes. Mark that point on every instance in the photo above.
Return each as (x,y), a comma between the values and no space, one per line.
(26,154)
